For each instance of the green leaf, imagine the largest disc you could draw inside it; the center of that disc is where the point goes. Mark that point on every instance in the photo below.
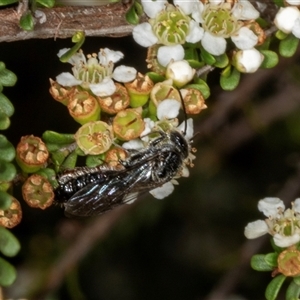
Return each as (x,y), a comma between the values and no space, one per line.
(297,280)
(133,15)
(274,286)
(7,2)
(49,174)
(94,160)
(6,106)
(7,77)
(279,3)
(9,244)
(195,63)
(7,150)
(5,200)
(259,263)
(70,161)
(155,77)
(78,38)
(293,291)
(207,57)
(271,259)
(288,46)
(46,3)
(26,21)
(270,59)
(7,171)
(229,83)
(2,64)
(202,86)
(222,61)
(4,121)
(53,137)
(8,273)
(281,35)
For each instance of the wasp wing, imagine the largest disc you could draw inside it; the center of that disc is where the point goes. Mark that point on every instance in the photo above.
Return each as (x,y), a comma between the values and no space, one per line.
(117,189)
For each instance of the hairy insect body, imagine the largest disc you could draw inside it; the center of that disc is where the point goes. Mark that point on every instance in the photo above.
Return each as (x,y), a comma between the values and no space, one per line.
(92,191)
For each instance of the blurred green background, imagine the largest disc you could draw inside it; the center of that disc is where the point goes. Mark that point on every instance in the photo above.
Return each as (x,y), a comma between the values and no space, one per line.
(188,246)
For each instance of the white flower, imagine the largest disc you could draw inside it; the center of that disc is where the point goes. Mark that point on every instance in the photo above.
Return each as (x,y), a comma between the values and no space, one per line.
(163,191)
(168,109)
(187,6)
(256,229)
(133,145)
(297,205)
(296,28)
(180,72)
(124,74)
(286,17)
(271,207)
(167,53)
(106,56)
(187,127)
(244,10)
(248,61)
(293,2)
(196,33)
(215,45)
(105,88)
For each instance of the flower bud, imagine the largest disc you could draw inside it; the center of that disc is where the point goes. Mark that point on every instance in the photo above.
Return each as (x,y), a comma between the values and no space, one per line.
(94,137)
(118,101)
(128,124)
(31,154)
(247,61)
(180,72)
(139,90)
(83,107)
(38,192)
(12,216)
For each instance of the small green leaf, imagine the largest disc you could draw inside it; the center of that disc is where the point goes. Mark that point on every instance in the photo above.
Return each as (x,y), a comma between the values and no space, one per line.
(195,63)
(7,2)
(222,61)
(7,171)
(78,38)
(26,21)
(58,157)
(5,200)
(49,174)
(207,57)
(279,3)
(7,150)
(9,245)
(7,77)
(271,259)
(58,138)
(46,3)
(274,286)
(259,263)
(8,273)
(202,86)
(94,160)
(281,35)
(229,83)
(134,13)
(288,46)
(297,280)
(4,121)
(6,106)
(2,64)
(70,161)
(270,59)
(293,291)
(155,77)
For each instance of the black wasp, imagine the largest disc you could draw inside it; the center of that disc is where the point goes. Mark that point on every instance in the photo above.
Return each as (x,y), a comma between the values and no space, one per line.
(87,191)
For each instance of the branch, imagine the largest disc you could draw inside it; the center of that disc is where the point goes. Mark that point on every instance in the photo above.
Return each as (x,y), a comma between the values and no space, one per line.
(63,22)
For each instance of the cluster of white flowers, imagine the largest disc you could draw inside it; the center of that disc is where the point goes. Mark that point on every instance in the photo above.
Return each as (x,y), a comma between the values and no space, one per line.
(283,225)
(211,24)
(96,71)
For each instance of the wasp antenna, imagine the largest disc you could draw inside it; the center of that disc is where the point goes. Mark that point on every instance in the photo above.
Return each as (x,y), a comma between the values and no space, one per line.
(184,113)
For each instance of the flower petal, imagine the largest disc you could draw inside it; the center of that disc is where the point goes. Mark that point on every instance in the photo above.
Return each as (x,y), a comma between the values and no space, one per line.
(152,8)
(136,144)
(168,109)
(163,191)
(124,74)
(286,241)
(245,38)
(196,32)
(67,79)
(189,124)
(187,6)
(270,206)
(256,229)
(167,53)
(286,17)
(106,55)
(105,88)
(144,35)
(244,10)
(213,44)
